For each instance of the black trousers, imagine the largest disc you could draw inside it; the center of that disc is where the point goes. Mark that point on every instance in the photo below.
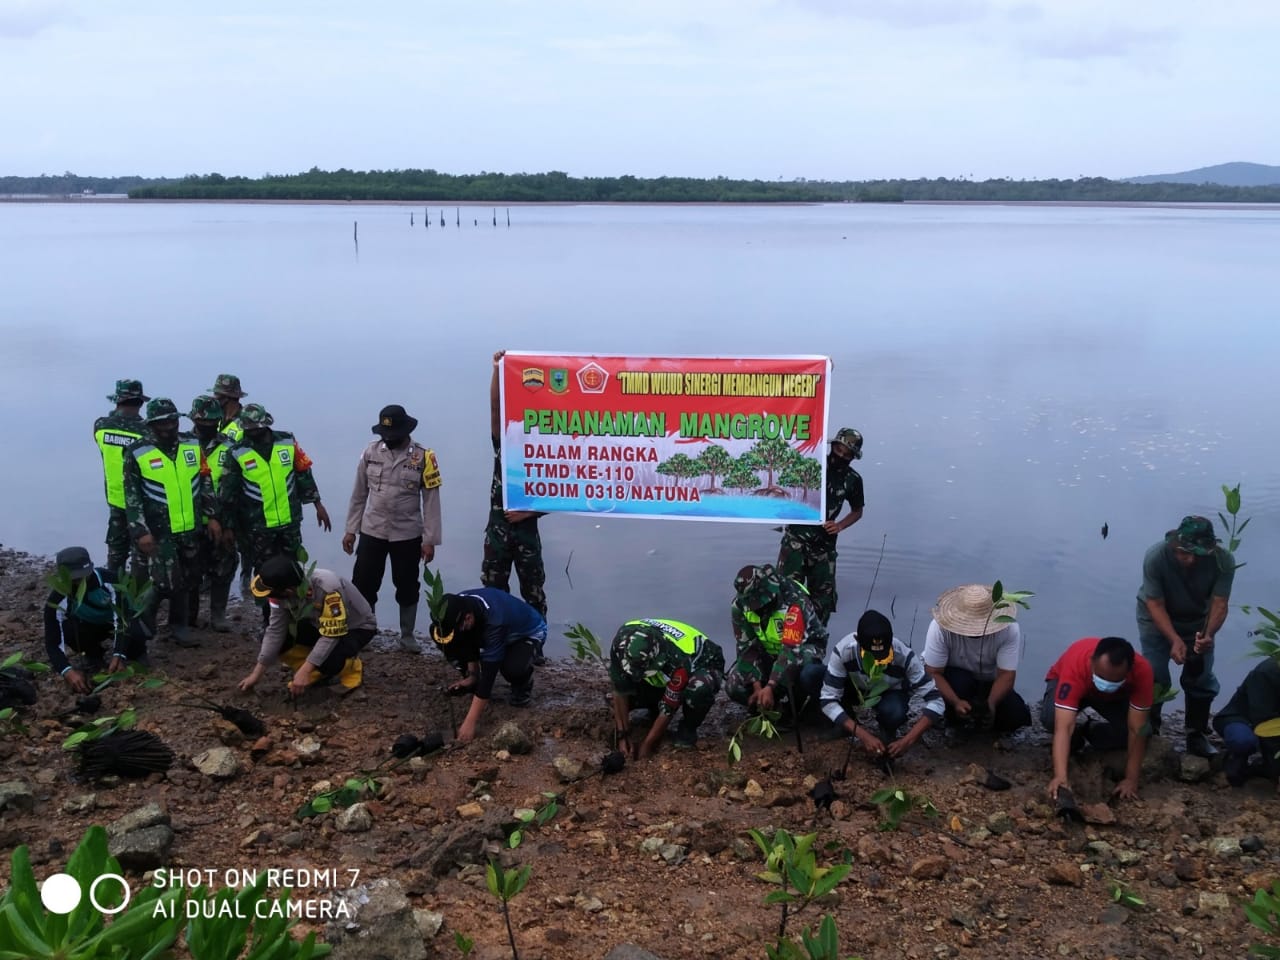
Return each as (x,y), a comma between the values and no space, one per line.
(371,564)
(95,641)
(349,645)
(1012,712)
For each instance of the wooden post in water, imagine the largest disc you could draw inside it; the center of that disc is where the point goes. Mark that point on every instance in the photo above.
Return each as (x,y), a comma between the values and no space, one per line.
(426,218)
(442,216)
(508,217)
(495,216)
(457,212)
(411,218)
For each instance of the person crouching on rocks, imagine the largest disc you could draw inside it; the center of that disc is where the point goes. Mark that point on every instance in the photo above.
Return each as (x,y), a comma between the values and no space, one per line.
(317,625)
(484,632)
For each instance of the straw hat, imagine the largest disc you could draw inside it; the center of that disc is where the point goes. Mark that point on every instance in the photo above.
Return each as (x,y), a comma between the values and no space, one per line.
(969,612)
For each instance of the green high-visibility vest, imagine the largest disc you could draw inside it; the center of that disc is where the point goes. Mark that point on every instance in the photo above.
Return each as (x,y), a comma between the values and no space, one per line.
(111,444)
(217,460)
(268,481)
(233,431)
(174,483)
(688,639)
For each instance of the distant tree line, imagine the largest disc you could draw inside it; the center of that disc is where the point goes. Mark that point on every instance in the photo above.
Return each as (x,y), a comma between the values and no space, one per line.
(69,183)
(555,186)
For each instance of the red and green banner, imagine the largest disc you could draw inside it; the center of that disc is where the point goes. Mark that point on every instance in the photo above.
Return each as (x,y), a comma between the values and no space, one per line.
(702,438)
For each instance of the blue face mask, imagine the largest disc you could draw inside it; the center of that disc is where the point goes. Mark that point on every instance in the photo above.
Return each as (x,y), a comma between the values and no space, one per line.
(1107,686)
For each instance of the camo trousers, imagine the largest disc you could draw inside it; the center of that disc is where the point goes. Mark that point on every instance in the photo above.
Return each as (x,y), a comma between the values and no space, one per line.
(815,567)
(507,545)
(754,666)
(120,546)
(696,700)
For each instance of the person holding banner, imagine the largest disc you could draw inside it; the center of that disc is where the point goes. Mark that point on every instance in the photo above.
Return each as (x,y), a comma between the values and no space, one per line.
(511,536)
(808,553)
(779,634)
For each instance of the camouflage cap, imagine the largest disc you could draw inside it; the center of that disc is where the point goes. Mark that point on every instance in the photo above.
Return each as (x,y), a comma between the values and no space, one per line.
(228,385)
(128,391)
(161,408)
(204,407)
(255,415)
(851,438)
(1194,535)
(757,586)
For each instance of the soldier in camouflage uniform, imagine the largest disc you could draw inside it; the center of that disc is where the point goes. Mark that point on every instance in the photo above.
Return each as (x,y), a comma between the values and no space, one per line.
(227,393)
(266,479)
(808,553)
(168,500)
(779,634)
(217,557)
(112,433)
(511,536)
(663,666)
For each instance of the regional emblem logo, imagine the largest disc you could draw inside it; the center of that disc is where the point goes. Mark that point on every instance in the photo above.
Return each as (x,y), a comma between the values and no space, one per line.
(559,380)
(533,378)
(593,378)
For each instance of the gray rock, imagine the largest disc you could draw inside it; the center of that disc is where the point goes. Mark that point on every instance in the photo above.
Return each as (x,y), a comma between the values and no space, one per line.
(456,843)
(568,768)
(1213,903)
(355,819)
(81,803)
(220,763)
(429,922)
(148,815)
(16,795)
(588,904)
(379,924)
(1252,844)
(1000,823)
(652,844)
(629,951)
(672,853)
(1114,915)
(512,738)
(294,840)
(1193,769)
(143,849)
(1226,848)
(1127,858)
(1159,759)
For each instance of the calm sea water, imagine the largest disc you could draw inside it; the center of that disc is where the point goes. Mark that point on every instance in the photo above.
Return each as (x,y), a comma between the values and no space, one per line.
(1021,374)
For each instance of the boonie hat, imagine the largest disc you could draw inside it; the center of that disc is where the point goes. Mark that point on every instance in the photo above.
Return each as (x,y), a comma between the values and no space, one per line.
(76,561)
(128,391)
(161,408)
(255,415)
(969,612)
(757,586)
(277,575)
(204,407)
(394,423)
(1194,535)
(851,438)
(228,384)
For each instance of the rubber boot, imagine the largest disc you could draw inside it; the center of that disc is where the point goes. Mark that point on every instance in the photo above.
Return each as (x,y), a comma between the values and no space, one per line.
(408,620)
(218,593)
(179,632)
(1198,728)
(193,607)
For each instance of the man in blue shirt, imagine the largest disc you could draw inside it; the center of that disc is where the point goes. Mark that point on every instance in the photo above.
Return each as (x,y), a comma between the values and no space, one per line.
(484,632)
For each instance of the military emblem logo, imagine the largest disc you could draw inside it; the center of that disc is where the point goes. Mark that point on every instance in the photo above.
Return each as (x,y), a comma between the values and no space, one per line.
(189,456)
(533,378)
(559,380)
(593,378)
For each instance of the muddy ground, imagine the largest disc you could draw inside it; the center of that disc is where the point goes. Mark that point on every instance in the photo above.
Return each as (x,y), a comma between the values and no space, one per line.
(658,855)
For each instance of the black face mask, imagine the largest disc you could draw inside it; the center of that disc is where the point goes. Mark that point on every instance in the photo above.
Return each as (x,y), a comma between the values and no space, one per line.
(258,437)
(206,431)
(165,431)
(395,443)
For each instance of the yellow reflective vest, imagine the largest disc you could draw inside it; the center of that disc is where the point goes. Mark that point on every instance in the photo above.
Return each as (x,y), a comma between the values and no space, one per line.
(111,443)
(688,640)
(269,481)
(173,483)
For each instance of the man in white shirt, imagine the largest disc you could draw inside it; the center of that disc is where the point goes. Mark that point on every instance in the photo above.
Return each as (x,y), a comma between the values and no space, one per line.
(972,655)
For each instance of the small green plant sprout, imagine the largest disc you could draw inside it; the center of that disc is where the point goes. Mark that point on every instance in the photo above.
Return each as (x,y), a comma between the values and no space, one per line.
(1263,911)
(506,886)
(876,684)
(15,660)
(791,866)
(1161,694)
(464,943)
(231,918)
(130,671)
(762,725)
(897,802)
(1233,527)
(344,796)
(434,593)
(527,818)
(1005,600)
(822,945)
(9,722)
(301,605)
(1123,894)
(584,645)
(100,727)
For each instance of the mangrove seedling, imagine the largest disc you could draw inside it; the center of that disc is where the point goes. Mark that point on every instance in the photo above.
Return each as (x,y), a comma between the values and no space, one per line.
(344,796)
(791,866)
(527,818)
(464,943)
(506,886)
(1123,894)
(897,802)
(584,645)
(760,725)
(1264,913)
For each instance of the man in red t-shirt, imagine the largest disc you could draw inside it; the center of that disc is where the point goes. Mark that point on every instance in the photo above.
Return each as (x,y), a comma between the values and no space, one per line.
(1106,676)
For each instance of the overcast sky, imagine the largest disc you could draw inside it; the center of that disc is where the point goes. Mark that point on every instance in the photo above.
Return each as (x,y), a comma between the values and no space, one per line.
(832,89)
